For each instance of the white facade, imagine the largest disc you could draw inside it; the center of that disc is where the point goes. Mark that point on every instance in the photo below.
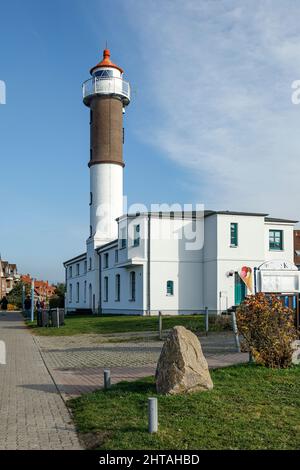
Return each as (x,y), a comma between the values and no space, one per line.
(155,270)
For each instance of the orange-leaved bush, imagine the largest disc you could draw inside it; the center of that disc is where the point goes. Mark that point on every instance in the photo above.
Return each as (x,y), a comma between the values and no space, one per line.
(267,327)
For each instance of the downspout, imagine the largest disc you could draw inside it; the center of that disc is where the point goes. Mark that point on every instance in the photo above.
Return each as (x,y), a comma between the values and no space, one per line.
(100,285)
(148,266)
(66,290)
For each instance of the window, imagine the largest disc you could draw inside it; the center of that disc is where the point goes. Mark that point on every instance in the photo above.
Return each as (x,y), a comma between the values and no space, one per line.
(170,287)
(70,271)
(123,237)
(106,260)
(70,292)
(136,235)
(77,269)
(85,266)
(91,154)
(172,215)
(77,292)
(233,234)
(91,230)
(118,287)
(90,264)
(91,198)
(105,289)
(104,73)
(116,256)
(84,292)
(132,286)
(275,239)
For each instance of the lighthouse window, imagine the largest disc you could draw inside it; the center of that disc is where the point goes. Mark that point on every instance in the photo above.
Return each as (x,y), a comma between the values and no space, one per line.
(91,199)
(104,74)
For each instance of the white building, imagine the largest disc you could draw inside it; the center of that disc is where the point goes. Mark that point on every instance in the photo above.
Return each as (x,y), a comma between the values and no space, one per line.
(174,262)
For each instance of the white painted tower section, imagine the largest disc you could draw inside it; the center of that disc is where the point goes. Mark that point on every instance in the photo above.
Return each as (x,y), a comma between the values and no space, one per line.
(106,182)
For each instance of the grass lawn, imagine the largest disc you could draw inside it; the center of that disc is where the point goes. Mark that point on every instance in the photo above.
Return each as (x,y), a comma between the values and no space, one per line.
(250,407)
(117,324)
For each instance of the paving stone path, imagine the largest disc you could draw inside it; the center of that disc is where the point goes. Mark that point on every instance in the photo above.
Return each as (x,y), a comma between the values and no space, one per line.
(33,414)
(77,362)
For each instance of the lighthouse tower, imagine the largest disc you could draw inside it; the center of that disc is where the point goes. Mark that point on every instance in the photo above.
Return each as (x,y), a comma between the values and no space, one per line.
(106,94)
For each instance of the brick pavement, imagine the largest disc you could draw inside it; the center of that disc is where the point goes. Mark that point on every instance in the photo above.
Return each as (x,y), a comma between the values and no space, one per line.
(77,362)
(33,415)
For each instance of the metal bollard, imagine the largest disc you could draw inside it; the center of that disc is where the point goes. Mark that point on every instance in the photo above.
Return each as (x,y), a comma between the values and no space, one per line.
(206,321)
(236,333)
(107,381)
(57,316)
(160,324)
(152,415)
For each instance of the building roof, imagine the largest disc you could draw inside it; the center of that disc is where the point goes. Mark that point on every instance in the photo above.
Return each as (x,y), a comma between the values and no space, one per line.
(107,245)
(74,259)
(208,213)
(106,62)
(287,221)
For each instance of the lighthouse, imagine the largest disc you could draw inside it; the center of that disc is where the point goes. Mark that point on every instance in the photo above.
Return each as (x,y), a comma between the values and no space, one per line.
(106,94)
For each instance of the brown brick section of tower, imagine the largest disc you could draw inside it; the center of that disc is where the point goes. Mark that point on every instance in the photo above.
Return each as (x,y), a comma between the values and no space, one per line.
(106,131)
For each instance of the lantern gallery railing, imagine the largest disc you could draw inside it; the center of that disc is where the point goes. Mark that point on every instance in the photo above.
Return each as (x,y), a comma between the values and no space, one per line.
(106,86)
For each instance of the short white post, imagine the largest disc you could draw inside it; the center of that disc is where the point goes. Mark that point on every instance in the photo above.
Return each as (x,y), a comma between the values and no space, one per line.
(152,415)
(160,324)
(206,321)
(107,381)
(57,316)
(236,333)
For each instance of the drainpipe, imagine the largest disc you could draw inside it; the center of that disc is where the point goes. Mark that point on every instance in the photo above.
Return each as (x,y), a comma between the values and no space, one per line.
(148,266)
(255,286)
(66,290)
(100,285)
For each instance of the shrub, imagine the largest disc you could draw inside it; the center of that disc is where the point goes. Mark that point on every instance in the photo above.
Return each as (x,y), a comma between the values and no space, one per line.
(267,327)
(12,307)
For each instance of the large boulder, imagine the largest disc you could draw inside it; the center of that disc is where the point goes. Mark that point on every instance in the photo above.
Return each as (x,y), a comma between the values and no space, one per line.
(182,367)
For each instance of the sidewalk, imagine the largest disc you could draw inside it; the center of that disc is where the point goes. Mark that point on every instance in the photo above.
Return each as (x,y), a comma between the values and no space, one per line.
(77,362)
(32,412)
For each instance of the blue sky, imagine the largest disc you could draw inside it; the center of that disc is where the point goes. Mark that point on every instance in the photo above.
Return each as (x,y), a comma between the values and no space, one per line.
(211,118)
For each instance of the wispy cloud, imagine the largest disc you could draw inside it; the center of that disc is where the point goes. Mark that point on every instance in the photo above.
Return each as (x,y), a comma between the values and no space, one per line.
(219,76)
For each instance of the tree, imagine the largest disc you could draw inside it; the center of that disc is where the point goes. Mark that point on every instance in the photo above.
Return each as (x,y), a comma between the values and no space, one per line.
(58,299)
(15,295)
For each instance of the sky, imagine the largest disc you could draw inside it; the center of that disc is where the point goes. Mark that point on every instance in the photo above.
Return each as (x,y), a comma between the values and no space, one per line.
(211,118)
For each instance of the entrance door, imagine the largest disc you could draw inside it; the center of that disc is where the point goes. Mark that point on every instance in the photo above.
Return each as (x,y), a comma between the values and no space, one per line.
(239,289)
